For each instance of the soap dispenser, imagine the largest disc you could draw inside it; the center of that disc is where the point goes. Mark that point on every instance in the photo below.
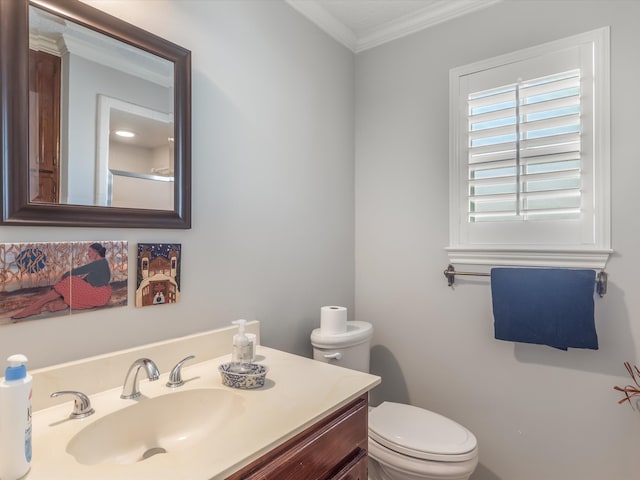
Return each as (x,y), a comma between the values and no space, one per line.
(15,420)
(242,349)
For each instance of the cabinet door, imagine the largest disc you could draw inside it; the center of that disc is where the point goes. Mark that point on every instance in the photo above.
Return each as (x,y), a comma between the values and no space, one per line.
(325,451)
(46,189)
(44,126)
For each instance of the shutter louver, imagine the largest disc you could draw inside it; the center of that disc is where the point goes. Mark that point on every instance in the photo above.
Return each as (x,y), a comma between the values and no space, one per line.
(524,150)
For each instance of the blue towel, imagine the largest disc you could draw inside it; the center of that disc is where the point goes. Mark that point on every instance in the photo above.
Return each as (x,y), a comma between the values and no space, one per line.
(544,306)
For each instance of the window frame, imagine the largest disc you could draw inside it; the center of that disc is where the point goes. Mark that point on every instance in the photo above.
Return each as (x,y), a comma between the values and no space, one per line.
(593,253)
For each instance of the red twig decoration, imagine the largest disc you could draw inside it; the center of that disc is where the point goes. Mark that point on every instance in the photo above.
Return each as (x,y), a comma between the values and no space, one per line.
(630,390)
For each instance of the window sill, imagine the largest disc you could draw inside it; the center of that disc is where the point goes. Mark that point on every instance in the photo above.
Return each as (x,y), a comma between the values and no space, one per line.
(550,257)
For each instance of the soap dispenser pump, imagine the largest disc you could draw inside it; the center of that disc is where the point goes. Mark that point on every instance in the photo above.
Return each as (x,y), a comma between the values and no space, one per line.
(242,349)
(15,419)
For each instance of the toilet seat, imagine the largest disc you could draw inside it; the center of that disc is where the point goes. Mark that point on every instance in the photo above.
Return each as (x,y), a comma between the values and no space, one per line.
(421,434)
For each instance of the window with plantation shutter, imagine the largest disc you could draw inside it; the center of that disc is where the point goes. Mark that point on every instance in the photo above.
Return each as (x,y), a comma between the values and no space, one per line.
(530,156)
(524,150)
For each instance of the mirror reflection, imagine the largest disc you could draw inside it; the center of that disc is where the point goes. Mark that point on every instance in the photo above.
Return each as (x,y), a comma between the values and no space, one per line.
(135,163)
(83,87)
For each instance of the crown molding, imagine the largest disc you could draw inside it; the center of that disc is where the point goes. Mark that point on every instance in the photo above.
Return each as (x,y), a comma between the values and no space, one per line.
(433,14)
(427,17)
(327,22)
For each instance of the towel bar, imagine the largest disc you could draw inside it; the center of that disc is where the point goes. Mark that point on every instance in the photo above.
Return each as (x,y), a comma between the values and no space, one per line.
(450,273)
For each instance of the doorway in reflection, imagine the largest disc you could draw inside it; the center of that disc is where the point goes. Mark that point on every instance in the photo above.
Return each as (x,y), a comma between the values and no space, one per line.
(135,165)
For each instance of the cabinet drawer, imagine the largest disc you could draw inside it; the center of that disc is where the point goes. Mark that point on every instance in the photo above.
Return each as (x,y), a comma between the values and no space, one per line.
(356,469)
(326,450)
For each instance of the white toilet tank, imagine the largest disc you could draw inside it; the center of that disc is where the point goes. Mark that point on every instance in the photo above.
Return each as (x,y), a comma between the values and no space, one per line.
(349,349)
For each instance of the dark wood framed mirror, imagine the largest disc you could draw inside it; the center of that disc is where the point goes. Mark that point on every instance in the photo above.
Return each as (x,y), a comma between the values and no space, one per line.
(21,202)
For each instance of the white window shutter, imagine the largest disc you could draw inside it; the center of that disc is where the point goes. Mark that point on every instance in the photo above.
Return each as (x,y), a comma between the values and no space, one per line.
(524,150)
(529,156)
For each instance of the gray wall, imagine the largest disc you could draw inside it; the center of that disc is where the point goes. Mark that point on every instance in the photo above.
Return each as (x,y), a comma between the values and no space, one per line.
(538,413)
(273,237)
(273,227)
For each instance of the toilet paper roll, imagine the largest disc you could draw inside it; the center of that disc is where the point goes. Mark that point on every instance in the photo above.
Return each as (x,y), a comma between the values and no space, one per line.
(333,320)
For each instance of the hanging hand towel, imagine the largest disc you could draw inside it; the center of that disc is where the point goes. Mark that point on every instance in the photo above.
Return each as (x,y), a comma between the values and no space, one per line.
(545,306)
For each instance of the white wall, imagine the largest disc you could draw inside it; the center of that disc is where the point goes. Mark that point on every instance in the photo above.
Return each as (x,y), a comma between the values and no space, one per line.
(273,174)
(538,413)
(126,190)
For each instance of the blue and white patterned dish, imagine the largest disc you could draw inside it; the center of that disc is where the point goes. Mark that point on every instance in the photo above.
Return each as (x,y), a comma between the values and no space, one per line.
(252,378)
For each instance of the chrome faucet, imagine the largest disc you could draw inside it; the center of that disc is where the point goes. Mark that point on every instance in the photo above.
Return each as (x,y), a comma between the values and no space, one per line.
(131,387)
(175,377)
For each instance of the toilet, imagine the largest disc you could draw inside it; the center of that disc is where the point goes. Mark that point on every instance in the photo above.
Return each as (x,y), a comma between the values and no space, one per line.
(405,442)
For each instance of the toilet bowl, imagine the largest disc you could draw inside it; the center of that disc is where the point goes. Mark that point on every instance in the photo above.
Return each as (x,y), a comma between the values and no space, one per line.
(410,443)
(405,442)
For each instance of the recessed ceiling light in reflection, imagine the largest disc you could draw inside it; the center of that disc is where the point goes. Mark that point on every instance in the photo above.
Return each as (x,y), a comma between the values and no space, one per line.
(125,133)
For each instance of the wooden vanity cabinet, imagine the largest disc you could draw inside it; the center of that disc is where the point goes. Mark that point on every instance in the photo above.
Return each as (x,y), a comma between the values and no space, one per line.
(335,448)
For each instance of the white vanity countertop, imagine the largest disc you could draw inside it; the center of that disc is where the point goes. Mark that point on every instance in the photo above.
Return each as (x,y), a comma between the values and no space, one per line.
(298,392)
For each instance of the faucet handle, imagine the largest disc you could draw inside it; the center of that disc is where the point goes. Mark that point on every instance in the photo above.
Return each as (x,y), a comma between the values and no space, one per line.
(175,377)
(81,403)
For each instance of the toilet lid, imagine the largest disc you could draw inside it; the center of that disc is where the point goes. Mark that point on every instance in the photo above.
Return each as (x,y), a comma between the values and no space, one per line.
(420,433)
(357,332)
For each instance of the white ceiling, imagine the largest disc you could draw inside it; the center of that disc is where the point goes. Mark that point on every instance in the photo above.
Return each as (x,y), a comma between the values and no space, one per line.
(363,24)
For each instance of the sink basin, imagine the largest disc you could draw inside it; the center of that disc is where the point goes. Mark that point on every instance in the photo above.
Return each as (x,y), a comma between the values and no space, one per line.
(164,424)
